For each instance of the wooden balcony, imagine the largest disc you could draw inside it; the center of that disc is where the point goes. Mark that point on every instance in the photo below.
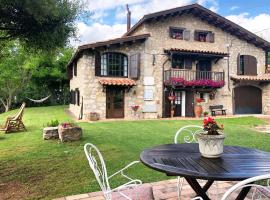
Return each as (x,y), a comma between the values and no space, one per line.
(193,78)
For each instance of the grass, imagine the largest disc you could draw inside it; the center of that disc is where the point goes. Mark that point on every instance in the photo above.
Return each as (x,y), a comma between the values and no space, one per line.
(32,168)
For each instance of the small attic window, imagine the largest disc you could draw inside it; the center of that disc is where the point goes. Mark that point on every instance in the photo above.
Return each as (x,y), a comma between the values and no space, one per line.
(204,36)
(177,33)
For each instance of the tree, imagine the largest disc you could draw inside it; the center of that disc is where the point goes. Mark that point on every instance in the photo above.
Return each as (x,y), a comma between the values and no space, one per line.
(45,24)
(15,66)
(49,77)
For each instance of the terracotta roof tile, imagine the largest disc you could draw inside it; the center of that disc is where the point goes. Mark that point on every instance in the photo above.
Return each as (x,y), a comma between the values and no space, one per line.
(264,77)
(117,81)
(198,51)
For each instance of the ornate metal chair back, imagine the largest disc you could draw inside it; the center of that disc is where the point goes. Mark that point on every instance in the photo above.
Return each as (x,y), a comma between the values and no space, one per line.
(189,133)
(257,191)
(97,164)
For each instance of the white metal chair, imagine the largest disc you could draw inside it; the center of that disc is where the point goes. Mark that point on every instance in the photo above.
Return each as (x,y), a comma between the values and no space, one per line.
(259,191)
(130,190)
(189,133)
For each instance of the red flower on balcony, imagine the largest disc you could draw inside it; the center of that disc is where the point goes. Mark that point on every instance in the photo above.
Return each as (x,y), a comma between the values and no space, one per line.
(203,82)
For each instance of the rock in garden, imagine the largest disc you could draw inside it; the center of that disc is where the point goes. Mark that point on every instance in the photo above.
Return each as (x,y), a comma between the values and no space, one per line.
(50,133)
(69,133)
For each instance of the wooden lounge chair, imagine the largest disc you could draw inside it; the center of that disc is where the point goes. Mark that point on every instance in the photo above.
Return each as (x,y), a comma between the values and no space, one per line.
(14,123)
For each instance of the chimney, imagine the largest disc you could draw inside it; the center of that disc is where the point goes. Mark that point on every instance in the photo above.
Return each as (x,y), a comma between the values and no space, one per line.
(128,17)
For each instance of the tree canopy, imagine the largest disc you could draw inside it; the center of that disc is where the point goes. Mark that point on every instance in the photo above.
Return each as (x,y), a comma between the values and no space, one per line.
(45,24)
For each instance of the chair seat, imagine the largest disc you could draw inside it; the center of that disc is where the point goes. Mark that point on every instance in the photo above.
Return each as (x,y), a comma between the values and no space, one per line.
(265,191)
(142,192)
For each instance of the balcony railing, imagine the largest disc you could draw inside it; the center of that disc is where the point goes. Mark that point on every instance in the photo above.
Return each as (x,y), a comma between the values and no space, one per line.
(193,78)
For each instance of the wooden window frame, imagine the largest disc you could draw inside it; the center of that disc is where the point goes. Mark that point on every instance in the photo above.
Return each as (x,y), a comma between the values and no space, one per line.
(205,33)
(241,66)
(184,59)
(112,67)
(180,29)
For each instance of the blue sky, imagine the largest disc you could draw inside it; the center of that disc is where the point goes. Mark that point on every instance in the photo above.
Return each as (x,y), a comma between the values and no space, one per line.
(109,16)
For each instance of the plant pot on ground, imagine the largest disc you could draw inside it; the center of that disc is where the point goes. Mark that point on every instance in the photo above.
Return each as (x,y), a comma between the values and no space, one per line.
(69,132)
(93,116)
(51,131)
(211,139)
(198,108)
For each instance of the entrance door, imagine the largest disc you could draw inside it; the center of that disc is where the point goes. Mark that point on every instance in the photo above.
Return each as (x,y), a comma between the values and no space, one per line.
(203,67)
(115,102)
(189,104)
(177,104)
(247,100)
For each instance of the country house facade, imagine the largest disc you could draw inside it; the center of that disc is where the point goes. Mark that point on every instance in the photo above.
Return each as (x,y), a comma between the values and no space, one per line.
(187,52)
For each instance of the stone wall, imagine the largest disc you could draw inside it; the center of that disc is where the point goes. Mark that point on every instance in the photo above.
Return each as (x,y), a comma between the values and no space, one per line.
(266,99)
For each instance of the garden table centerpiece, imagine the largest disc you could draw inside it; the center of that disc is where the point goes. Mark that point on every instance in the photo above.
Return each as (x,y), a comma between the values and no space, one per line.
(211,139)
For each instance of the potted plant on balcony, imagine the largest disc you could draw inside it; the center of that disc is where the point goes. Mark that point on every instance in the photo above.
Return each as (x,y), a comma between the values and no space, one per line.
(211,139)
(198,107)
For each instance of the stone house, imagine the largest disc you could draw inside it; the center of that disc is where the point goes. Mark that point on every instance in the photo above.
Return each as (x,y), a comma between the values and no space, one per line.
(187,53)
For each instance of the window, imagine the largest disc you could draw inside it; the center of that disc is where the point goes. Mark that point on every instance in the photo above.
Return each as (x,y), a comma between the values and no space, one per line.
(176,33)
(204,36)
(241,67)
(177,62)
(180,62)
(247,65)
(114,64)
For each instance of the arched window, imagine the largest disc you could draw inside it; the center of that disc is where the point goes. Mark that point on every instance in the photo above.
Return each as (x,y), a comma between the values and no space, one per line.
(114,64)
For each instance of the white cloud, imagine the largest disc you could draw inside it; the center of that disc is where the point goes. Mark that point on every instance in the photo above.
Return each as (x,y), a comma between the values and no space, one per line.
(108,4)
(234,7)
(97,32)
(258,24)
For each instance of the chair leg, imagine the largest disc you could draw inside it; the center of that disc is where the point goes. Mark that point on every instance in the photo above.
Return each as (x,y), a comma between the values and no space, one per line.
(180,182)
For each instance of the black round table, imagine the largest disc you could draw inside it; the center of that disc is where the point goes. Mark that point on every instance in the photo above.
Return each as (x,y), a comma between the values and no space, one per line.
(236,163)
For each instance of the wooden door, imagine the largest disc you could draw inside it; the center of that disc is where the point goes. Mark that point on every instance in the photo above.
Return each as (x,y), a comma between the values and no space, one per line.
(247,100)
(189,104)
(178,103)
(115,97)
(203,67)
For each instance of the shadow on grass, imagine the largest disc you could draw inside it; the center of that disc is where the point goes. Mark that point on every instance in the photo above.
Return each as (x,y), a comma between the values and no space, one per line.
(2,138)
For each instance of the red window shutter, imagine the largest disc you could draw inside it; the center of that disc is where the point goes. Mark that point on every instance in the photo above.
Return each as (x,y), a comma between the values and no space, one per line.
(134,66)
(97,64)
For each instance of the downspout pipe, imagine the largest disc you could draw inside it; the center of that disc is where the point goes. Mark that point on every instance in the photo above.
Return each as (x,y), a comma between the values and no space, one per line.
(163,92)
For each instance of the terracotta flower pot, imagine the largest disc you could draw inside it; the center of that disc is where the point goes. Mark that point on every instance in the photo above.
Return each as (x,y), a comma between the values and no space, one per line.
(198,111)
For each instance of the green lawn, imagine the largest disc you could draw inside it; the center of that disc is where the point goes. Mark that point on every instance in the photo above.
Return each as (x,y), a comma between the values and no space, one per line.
(31,168)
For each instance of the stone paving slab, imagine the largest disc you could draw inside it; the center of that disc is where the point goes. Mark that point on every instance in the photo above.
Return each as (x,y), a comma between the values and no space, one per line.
(165,190)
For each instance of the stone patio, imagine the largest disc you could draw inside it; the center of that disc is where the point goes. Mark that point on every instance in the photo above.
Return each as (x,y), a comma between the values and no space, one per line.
(166,190)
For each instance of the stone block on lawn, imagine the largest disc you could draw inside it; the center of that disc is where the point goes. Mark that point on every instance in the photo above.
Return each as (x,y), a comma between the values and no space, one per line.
(70,133)
(50,133)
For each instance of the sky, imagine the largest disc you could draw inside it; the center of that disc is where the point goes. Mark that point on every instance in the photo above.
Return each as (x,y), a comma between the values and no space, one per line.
(108,17)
